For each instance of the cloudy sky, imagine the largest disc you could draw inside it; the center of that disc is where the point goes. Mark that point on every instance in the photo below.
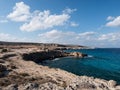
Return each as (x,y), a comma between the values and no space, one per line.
(84,22)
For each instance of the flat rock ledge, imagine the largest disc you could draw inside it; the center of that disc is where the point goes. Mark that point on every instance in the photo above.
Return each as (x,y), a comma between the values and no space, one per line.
(19,74)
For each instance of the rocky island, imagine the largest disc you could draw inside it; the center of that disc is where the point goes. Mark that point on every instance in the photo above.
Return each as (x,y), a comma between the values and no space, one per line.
(19,69)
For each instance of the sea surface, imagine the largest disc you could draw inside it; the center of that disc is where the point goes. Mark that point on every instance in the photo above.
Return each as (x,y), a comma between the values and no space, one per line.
(101,63)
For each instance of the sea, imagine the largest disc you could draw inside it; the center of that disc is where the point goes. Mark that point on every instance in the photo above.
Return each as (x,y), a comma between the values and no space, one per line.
(101,63)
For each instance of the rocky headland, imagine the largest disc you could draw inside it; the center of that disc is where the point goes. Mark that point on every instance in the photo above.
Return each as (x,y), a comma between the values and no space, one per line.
(19,70)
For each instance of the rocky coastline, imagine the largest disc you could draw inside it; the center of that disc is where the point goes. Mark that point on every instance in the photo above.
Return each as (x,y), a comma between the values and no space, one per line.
(19,71)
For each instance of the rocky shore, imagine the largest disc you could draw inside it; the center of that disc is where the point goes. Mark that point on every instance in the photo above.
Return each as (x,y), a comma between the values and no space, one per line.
(19,71)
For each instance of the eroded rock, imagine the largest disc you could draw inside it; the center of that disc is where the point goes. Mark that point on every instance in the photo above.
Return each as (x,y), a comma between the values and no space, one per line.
(78,54)
(12,87)
(31,86)
(111,83)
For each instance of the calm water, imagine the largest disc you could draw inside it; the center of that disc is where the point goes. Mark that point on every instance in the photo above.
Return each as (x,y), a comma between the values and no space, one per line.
(101,63)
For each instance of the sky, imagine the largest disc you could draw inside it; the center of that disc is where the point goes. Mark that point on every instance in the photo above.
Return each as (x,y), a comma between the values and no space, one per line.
(94,23)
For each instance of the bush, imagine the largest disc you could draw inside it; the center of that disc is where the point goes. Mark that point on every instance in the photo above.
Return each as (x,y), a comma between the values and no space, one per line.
(4,50)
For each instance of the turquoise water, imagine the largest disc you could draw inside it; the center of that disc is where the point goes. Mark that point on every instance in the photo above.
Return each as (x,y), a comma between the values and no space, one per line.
(101,63)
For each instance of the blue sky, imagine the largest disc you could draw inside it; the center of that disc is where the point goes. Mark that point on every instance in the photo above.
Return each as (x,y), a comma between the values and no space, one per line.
(85,22)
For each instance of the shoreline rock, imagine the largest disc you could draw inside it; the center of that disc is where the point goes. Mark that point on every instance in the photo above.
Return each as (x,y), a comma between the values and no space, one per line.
(27,75)
(78,54)
(43,55)
(40,56)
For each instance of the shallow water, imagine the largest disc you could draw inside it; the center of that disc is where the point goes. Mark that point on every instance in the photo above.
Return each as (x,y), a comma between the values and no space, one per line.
(101,63)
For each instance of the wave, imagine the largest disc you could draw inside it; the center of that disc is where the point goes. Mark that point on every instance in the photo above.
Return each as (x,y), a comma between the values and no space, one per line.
(56,59)
(90,56)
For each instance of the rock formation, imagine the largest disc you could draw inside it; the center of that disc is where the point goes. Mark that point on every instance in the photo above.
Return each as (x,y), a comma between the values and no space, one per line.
(43,55)
(78,54)
(24,74)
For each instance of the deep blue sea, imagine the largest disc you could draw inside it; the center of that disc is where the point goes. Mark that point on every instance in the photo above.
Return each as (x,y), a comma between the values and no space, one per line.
(101,63)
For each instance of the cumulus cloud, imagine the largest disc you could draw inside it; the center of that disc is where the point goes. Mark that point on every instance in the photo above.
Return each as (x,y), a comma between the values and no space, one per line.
(38,20)
(109,37)
(4,36)
(20,13)
(110,18)
(114,23)
(73,24)
(86,38)
(69,11)
(9,37)
(56,36)
(68,37)
(44,20)
(87,33)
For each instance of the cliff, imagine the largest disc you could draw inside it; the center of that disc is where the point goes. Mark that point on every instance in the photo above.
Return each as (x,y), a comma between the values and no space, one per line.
(20,73)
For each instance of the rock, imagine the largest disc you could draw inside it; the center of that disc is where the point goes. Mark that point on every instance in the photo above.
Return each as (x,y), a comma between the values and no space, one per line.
(111,83)
(27,75)
(2,61)
(117,87)
(43,55)
(2,68)
(4,50)
(50,86)
(12,87)
(78,54)
(31,86)
(44,86)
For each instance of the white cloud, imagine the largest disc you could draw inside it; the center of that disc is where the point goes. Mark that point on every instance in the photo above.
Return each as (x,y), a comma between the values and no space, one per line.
(87,33)
(88,36)
(11,38)
(44,20)
(109,37)
(57,36)
(4,36)
(73,24)
(20,12)
(38,20)
(114,23)
(85,38)
(3,21)
(69,11)
(110,18)
(7,37)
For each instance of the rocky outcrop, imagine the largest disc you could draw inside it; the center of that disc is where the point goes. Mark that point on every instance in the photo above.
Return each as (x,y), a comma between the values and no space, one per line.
(40,56)
(43,55)
(28,75)
(78,83)
(78,54)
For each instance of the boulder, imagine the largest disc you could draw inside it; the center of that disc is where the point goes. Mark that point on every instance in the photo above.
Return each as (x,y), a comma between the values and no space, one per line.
(78,54)
(112,83)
